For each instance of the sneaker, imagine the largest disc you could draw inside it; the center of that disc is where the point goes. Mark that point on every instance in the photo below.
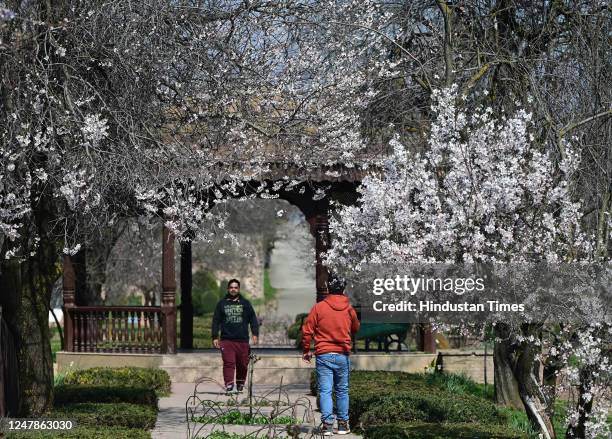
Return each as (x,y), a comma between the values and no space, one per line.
(229,388)
(240,388)
(343,427)
(327,429)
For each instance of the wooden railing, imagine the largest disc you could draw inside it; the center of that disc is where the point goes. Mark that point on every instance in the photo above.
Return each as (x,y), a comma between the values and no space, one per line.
(128,329)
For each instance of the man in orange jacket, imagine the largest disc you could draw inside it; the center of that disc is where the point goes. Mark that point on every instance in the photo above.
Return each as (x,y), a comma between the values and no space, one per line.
(331,322)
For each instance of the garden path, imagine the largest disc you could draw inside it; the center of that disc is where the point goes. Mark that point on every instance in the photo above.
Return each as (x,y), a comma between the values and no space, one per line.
(171,419)
(292,268)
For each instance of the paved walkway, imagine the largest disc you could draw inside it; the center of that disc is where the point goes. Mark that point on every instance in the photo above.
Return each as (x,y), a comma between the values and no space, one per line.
(209,399)
(291,272)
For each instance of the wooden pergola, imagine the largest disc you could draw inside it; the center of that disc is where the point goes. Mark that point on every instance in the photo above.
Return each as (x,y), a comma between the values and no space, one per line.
(153,329)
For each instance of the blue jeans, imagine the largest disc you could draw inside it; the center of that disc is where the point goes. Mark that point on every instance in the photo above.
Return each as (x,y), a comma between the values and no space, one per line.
(333,371)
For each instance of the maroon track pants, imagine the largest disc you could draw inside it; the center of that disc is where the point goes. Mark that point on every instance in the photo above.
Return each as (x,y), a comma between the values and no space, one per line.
(235,356)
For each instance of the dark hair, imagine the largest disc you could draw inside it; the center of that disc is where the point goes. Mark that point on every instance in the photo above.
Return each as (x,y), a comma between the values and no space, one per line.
(233,281)
(335,284)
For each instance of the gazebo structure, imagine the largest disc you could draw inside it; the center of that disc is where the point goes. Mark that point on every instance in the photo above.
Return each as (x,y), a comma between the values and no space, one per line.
(153,329)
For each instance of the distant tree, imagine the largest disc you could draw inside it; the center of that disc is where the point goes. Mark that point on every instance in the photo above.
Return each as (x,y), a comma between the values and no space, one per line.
(206,293)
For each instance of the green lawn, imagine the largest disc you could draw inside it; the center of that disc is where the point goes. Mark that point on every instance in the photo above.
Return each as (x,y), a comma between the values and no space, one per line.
(202,330)
(269,291)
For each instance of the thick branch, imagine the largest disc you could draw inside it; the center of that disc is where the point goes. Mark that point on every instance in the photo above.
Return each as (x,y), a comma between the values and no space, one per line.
(573,126)
(602,224)
(448,43)
(476,77)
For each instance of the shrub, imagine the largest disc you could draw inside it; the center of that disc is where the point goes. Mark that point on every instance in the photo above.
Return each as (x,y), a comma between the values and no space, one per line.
(383,381)
(393,409)
(294,331)
(420,430)
(68,394)
(84,432)
(155,379)
(205,293)
(382,397)
(92,414)
(314,387)
(422,405)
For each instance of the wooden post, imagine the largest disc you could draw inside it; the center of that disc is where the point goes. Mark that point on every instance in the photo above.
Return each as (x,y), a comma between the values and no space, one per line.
(68,289)
(186,297)
(168,306)
(319,227)
(79,266)
(427,339)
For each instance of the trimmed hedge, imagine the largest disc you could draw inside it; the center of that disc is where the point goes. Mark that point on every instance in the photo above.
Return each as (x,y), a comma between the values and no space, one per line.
(107,403)
(84,432)
(155,379)
(392,409)
(385,383)
(399,405)
(383,397)
(68,394)
(92,414)
(368,409)
(440,431)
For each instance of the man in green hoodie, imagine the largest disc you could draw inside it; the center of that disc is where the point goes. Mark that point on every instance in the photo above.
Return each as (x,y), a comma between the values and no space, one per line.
(233,316)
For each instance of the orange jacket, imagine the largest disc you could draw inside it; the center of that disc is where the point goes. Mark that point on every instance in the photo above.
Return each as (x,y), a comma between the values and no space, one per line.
(331,322)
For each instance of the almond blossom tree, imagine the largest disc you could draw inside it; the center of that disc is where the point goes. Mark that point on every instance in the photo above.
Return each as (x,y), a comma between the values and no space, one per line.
(117,109)
(483,192)
(112,109)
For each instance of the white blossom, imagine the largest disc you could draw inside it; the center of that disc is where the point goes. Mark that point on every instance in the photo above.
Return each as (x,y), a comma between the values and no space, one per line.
(94,129)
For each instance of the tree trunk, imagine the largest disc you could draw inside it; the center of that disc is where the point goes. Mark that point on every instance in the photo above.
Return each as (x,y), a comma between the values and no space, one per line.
(506,386)
(530,388)
(25,294)
(25,290)
(578,431)
(549,381)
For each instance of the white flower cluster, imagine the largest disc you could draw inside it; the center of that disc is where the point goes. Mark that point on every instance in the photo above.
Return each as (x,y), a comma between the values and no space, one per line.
(482,192)
(15,192)
(94,129)
(587,366)
(185,213)
(77,191)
